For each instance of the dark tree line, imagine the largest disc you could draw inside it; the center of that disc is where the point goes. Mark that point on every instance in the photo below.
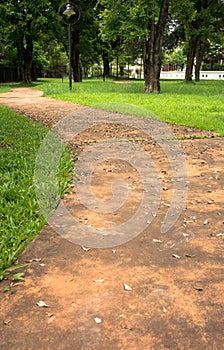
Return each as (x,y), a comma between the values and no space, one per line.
(110,29)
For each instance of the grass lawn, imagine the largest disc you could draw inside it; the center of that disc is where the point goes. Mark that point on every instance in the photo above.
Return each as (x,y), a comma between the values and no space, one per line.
(20,220)
(199,105)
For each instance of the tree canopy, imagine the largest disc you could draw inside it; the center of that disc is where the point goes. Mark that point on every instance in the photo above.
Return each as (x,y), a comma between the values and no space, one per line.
(156,31)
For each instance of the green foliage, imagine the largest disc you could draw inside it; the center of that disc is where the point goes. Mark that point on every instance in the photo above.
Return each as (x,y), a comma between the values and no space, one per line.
(25,17)
(118,27)
(56,55)
(215,51)
(9,54)
(40,62)
(201,19)
(178,58)
(20,219)
(124,25)
(22,25)
(216,67)
(174,35)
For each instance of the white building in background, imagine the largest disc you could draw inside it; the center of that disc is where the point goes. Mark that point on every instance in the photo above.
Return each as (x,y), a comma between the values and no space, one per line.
(137,72)
(204,75)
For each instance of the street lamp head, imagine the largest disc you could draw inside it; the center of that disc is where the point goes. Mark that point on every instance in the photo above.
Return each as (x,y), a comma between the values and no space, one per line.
(69,10)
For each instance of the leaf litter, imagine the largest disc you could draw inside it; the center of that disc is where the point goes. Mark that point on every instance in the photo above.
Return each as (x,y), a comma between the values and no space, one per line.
(41,303)
(127,287)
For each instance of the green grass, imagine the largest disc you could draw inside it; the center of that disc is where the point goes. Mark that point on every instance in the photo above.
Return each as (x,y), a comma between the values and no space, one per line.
(199,105)
(20,218)
(4,88)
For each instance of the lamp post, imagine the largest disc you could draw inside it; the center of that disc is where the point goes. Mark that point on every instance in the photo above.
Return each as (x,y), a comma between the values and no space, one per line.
(70,15)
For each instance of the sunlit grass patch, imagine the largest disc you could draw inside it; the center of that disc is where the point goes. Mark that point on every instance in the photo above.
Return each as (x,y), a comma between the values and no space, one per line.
(199,105)
(20,218)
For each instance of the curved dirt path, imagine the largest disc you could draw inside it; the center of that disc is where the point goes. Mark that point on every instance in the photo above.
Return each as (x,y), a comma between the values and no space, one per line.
(31,103)
(176,279)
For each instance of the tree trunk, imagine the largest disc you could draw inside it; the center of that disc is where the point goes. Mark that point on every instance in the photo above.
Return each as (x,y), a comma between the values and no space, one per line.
(25,58)
(151,85)
(106,65)
(152,52)
(117,66)
(28,59)
(76,66)
(190,59)
(199,57)
(121,70)
(85,71)
(19,45)
(197,70)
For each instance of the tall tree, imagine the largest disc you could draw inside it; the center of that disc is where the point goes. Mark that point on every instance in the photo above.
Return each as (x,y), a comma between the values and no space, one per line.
(143,21)
(152,57)
(112,15)
(201,19)
(24,20)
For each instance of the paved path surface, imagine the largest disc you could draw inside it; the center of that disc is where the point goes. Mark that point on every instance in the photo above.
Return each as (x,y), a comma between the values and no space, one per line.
(155,291)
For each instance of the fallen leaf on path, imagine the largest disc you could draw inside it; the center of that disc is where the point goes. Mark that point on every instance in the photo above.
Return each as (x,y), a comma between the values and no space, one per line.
(157,240)
(97,320)
(51,319)
(176,256)
(33,260)
(7,322)
(127,287)
(186,234)
(198,287)
(15,284)
(85,249)
(187,221)
(125,325)
(189,256)
(99,281)
(41,303)
(165,204)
